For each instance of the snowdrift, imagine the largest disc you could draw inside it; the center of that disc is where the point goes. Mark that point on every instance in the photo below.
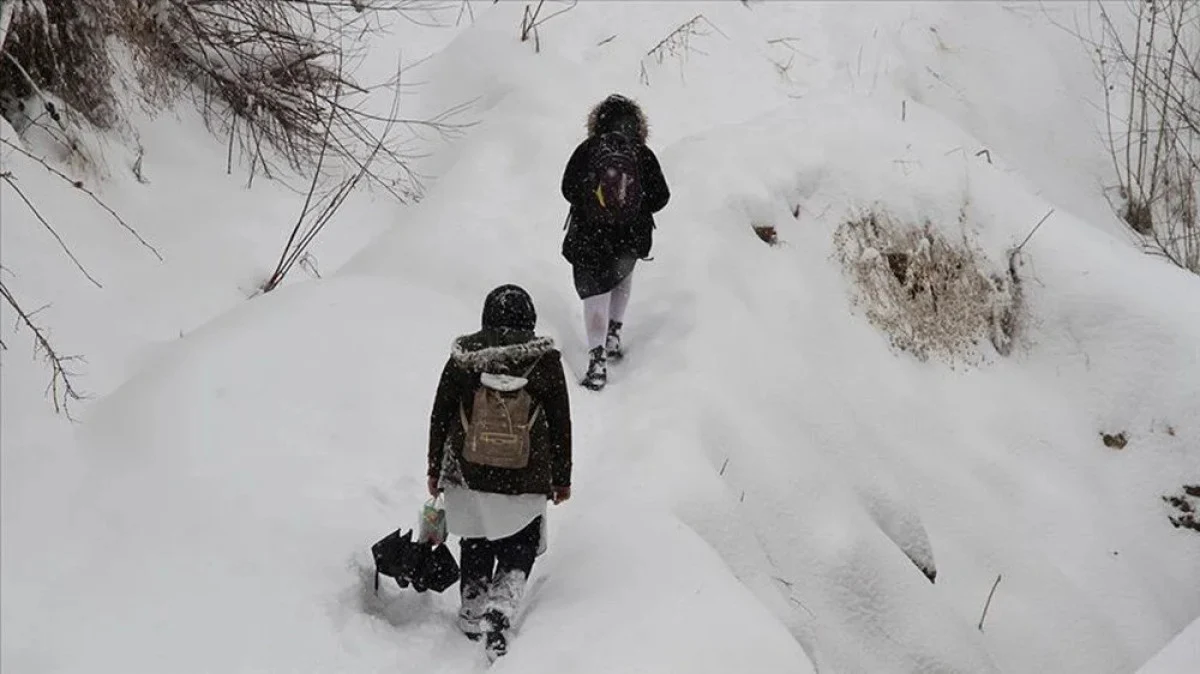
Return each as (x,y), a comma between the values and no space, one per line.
(223,525)
(766,484)
(1179,655)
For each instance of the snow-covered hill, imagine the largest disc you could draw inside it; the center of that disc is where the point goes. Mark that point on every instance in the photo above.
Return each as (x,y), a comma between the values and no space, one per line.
(755,485)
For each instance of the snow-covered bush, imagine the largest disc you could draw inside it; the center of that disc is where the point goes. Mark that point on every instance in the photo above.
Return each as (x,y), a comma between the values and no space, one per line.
(931,296)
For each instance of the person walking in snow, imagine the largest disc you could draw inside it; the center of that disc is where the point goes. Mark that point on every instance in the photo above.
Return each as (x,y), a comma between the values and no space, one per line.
(499,449)
(614,184)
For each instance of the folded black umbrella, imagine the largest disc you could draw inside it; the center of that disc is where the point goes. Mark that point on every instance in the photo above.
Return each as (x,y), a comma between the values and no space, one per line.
(396,556)
(418,564)
(438,569)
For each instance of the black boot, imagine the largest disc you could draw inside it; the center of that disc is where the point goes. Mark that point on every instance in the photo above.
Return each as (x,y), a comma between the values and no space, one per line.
(597,373)
(612,345)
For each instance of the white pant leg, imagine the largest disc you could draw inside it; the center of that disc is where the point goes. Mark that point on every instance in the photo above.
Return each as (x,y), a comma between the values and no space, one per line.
(595,316)
(620,299)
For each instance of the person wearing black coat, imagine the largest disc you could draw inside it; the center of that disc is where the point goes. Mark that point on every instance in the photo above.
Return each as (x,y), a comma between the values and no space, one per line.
(500,512)
(603,257)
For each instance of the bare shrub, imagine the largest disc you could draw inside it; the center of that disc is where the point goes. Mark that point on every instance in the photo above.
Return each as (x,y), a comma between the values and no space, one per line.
(56,74)
(57,46)
(275,73)
(929,295)
(1152,101)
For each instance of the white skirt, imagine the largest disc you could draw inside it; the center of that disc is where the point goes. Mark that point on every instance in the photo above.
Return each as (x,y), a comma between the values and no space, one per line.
(477,514)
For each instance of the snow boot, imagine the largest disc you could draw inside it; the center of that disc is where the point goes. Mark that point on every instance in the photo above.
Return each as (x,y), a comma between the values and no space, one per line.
(495,624)
(471,625)
(597,373)
(612,344)
(471,628)
(470,614)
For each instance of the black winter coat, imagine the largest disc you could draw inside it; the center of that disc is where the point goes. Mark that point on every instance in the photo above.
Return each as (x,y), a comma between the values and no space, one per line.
(599,246)
(511,353)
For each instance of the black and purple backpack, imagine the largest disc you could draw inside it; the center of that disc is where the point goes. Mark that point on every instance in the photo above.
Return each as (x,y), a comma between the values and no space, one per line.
(615,183)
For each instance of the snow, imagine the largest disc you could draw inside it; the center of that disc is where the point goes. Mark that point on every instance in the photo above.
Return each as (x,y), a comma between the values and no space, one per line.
(765,485)
(1179,656)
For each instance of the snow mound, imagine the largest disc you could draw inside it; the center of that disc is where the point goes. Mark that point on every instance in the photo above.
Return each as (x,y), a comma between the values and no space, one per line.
(223,517)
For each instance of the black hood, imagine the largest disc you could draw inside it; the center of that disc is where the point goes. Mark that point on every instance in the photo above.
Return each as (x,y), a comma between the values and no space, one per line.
(618,113)
(509,306)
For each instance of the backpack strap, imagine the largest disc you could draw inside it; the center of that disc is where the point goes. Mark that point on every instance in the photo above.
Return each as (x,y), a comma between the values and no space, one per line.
(538,408)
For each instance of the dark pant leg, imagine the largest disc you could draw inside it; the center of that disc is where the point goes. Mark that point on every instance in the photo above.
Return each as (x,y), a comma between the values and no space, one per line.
(517,552)
(514,561)
(476,561)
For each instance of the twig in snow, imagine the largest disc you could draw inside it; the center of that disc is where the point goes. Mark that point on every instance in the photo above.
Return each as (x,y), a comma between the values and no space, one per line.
(530,22)
(791,588)
(61,386)
(7,176)
(78,184)
(1032,232)
(988,603)
(465,7)
(137,166)
(678,42)
(789,43)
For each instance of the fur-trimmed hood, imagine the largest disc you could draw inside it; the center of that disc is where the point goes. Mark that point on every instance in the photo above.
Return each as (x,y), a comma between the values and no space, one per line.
(609,113)
(475,355)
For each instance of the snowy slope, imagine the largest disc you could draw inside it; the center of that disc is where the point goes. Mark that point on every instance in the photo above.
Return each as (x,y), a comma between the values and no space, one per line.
(751,487)
(1179,656)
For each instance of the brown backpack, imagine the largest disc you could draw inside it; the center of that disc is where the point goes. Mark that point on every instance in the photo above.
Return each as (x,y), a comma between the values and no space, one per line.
(498,431)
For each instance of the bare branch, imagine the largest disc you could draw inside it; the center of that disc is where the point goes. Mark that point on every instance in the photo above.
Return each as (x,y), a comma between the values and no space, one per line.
(989,603)
(1033,231)
(530,22)
(78,184)
(61,387)
(8,177)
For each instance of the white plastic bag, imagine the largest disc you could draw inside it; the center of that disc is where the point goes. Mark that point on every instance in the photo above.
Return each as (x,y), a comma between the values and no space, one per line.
(432,522)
